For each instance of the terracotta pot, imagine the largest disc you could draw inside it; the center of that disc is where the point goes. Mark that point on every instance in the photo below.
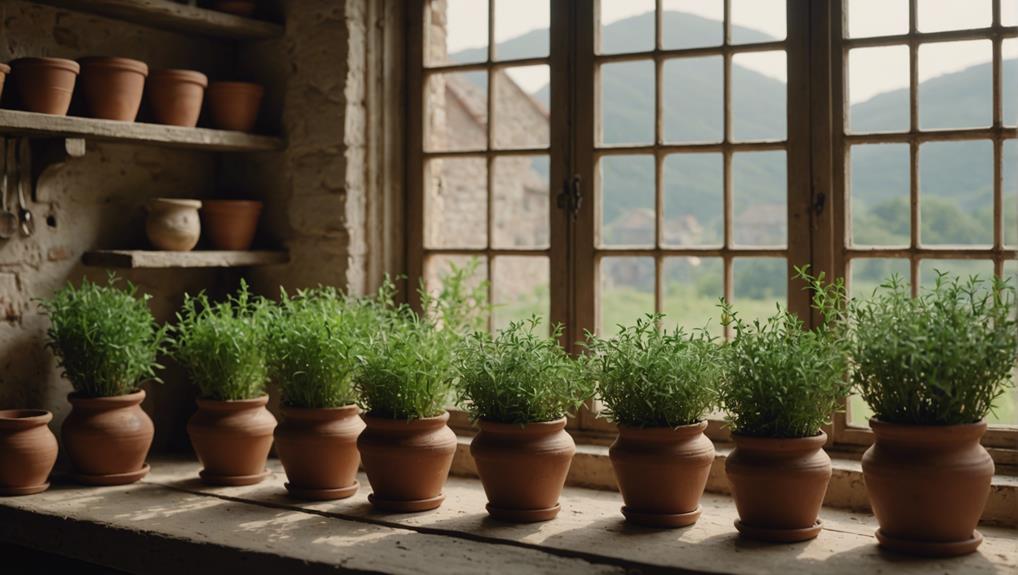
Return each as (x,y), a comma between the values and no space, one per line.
(928,486)
(173,224)
(232,440)
(108,438)
(28,450)
(318,449)
(231,224)
(662,472)
(112,87)
(407,462)
(4,71)
(523,468)
(234,105)
(45,85)
(175,96)
(778,485)
(244,8)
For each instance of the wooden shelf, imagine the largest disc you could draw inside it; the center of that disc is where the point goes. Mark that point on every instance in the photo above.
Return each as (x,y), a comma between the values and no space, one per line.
(13,122)
(176,17)
(142,259)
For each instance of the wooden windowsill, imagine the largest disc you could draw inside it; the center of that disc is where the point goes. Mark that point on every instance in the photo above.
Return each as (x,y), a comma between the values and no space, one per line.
(171,523)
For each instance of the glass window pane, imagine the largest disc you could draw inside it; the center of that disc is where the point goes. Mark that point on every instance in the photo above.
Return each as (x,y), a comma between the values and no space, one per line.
(956,85)
(878,89)
(1010,191)
(693,104)
(456,203)
(759,284)
(760,199)
(517,37)
(759,96)
(868,18)
(458,32)
(520,289)
(456,112)
(879,183)
(928,269)
(627,291)
(1009,13)
(755,21)
(692,23)
(520,208)
(956,193)
(939,15)
(692,288)
(521,107)
(693,200)
(627,200)
(1009,80)
(868,274)
(1006,408)
(627,103)
(437,267)
(627,26)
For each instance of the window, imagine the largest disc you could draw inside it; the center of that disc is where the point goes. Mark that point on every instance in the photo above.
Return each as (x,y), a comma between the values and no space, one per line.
(612,158)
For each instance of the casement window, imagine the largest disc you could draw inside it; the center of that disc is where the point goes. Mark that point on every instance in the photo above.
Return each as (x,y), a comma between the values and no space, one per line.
(608,159)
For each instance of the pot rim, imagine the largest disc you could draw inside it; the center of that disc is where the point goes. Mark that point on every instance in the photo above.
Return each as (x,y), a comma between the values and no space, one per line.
(110,402)
(386,423)
(321,413)
(927,433)
(177,202)
(187,76)
(24,418)
(4,68)
(116,63)
(249,87)
(533,428)
(780,444)
(663,432)
(232,404)
(62,63)
(215,205)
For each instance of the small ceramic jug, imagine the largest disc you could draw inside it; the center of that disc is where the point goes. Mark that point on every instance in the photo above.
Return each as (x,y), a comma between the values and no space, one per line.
(173,225)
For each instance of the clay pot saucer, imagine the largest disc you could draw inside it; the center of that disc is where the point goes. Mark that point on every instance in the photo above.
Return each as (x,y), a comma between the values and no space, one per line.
(408,506)
(662,520)
(111,478)
(322,494)
(19,491)
(779,535)
(930,548)
(233,480)
(523,515)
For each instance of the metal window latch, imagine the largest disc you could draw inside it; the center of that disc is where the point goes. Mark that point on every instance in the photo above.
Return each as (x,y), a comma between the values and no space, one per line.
(819,201)
(571,196)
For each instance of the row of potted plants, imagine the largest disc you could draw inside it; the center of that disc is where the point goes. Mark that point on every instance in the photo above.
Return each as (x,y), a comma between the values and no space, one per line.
(112,88)
(930,367)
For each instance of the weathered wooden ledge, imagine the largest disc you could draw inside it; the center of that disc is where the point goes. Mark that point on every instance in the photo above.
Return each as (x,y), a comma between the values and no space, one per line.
(171,523)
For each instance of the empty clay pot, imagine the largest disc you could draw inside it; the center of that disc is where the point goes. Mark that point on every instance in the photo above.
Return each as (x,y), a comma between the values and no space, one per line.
(175,96)
(28,450)
(4,71)
(108,438)
(234,105)
(112,87)
(45,85)
(928,485)
(231,224)
(318,449)
(662,472)
(523,468)
(232,440)
(778,485)
(407,462)
(244,8)
(173,224)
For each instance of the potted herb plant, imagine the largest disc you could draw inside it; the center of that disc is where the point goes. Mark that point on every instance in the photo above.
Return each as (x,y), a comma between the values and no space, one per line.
(106,342)
(930,368)
(222,347)
(658,387)
(313,345)
(404,384)
(782,383)
(519,386)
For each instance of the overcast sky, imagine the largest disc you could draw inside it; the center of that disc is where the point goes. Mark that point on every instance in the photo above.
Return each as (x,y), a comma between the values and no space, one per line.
(872,71)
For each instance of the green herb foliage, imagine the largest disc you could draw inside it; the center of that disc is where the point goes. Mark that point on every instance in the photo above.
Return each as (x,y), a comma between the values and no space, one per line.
(104,337)
(783,380)
(938,359)
(519,376)
(650,378)
(222,345)
(407,368)
(314,340)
